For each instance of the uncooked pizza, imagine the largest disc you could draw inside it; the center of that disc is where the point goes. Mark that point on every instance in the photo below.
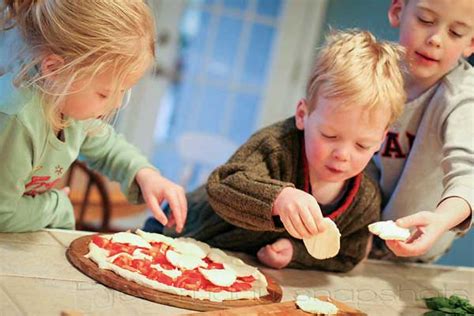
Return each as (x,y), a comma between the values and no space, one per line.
(180,266)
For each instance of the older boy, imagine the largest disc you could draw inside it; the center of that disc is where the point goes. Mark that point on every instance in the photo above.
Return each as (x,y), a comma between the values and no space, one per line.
(426,163)
(279,185)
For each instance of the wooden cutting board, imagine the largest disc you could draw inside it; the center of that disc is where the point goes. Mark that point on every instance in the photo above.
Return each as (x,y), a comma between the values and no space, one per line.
(79,248)
(283,309)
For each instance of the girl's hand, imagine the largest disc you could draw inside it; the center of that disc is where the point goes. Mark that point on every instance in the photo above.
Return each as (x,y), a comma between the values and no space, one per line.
(429,227)
(299,212)
(277,255)
(155,189)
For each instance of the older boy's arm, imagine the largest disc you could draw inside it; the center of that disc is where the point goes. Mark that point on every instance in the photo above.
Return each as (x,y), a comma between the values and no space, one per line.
(457,136)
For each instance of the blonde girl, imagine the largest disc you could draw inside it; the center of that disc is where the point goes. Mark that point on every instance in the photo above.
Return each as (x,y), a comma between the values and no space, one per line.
(80,59)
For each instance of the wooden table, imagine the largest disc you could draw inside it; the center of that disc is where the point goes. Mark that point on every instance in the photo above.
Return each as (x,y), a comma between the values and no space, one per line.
(37,279)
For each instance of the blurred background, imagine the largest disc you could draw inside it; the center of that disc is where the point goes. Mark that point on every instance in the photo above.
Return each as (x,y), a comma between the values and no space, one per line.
(224,69)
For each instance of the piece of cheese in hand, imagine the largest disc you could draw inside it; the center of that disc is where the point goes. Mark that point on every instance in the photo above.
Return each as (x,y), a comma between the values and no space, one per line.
(219,277)
(314,305)
(389,230)
(326,244)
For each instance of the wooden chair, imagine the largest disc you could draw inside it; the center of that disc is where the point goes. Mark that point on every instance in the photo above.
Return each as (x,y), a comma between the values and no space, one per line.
(93,179)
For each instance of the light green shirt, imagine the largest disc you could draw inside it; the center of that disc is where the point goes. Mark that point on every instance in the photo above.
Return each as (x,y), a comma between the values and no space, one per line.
(33,159)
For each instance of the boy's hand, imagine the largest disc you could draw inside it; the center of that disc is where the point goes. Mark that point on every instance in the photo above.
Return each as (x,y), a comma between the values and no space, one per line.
(429,227)
(299,213)
(155,189)
(277,255)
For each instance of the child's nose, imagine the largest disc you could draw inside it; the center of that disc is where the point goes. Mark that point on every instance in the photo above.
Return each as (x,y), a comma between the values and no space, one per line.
(435,39)
(341,153)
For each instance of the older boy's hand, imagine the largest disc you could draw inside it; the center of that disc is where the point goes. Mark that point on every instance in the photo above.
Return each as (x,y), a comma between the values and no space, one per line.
(155,189)
(429,227)
(277,255)
(299,213)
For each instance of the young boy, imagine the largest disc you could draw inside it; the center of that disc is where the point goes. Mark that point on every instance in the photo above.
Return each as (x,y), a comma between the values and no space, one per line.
(426,163)
(276,189)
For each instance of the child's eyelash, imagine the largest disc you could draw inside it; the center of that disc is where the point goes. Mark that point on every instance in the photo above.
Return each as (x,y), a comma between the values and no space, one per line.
(328,136)
(425,21)
(455,34)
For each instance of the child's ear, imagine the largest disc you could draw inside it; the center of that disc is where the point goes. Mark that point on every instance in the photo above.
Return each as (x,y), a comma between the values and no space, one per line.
(301,112)
(50,64)
(395,12)
(468,51)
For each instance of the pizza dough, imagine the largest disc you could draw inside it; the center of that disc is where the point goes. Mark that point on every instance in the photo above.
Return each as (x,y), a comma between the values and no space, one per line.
(389,230)
(326,244)
(316,306)
(181,266)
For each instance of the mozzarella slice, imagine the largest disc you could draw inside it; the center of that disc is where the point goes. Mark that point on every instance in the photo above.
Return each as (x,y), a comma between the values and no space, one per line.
(132,239)
(326,244)
(218,256)
(183,261)
(316,306)
(171,273)
(153,237)
(189,246)
(219,277)
(138,254)
(389,230)
(241,270)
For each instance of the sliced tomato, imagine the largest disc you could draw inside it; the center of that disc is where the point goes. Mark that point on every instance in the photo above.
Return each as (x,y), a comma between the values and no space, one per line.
(115,248)
(100,241)
(160,277)
(208,286)
(158,252)
(167,266)
(247,279)
(141,265)
(239,286)
(215,265)
(190,280)
(124,262)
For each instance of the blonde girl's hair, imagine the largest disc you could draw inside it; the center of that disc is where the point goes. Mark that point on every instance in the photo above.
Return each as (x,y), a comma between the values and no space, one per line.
(90,36)
(360,70)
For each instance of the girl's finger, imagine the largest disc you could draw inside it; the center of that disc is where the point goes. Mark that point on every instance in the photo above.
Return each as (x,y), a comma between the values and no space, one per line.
(173,201)
(156,209)
(184,205)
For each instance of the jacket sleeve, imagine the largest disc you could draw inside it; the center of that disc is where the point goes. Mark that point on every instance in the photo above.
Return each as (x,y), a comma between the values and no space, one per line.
(110,154)
(18,212)
(243,190)
(355,235)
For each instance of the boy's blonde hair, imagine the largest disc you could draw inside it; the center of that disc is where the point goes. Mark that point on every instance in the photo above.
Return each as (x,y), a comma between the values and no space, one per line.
(356,68)
(91,36)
